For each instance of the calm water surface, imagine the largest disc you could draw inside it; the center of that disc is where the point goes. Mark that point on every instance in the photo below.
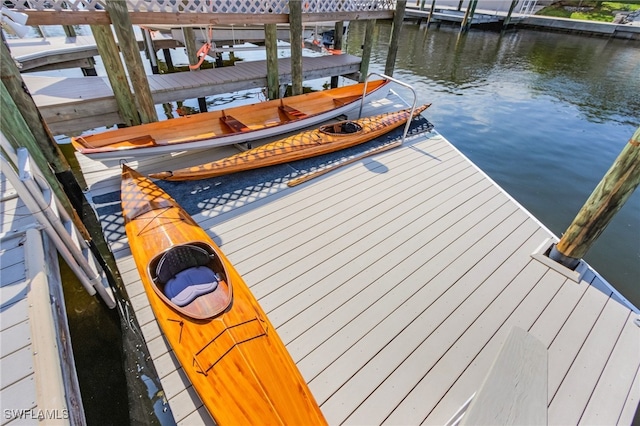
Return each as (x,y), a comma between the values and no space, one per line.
(543,114)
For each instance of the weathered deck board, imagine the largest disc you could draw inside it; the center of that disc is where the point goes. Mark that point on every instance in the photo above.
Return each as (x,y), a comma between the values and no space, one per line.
(394,282)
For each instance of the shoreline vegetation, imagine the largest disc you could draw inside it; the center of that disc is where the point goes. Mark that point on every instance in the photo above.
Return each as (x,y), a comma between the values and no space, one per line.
(591,10)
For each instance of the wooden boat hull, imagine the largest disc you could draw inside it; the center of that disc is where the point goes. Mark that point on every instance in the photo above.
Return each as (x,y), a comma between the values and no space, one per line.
(233,356)
(302,145)
(224,127)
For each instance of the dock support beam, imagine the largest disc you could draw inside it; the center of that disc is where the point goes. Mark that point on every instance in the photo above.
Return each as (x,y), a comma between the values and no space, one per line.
(295,30)
(108,50)
(398,17)
(271,45)
(121,22)
(607,198)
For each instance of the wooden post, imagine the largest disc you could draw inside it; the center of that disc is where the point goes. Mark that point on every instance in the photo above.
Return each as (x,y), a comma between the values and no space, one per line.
(169,61)
(433,7)
(121,22)
(295,30)
(192,54)
(271,45)
(506,21)
(151,51)
(471,10)
(69,31)
(607,198)
(190,44)
(338,30)
(463,24)
(366,49)
(398,17)
(110,55)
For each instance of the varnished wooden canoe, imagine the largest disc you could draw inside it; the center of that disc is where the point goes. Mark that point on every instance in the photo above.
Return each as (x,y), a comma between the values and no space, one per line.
(323,140)
(216,328)
(228,126)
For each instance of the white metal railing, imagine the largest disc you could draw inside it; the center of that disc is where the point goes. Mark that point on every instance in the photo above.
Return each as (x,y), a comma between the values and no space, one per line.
(528,6)
(209,6)
(43,205)
(401,83)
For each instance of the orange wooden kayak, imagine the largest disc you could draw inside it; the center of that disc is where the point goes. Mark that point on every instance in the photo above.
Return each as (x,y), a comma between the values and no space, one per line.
(228,126)
(325,139)
(223,339)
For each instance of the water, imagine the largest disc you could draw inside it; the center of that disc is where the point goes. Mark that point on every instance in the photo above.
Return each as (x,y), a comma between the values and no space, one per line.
(543,114)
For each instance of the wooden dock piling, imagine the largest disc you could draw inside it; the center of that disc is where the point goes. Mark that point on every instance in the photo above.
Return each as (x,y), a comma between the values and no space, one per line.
(398,17)
(271,46)
(337,46)
(607,198)
(108,50)
(507,20)
(468,16)
(131,53)
(366,49)
(295,30)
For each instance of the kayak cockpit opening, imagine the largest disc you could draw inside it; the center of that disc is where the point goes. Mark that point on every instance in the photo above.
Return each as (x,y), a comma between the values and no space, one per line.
(342,128)
(192,279)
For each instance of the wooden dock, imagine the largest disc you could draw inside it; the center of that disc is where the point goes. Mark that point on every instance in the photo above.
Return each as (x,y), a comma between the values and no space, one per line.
(70,105)
(41,54)
(452,16)
(394,282)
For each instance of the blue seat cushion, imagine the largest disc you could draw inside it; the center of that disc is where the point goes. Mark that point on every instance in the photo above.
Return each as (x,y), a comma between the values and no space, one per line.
(189,284)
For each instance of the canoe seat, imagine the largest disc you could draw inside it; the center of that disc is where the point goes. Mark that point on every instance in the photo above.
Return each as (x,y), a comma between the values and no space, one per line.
(185,273)
(189,284)
(234,124)
(292,111)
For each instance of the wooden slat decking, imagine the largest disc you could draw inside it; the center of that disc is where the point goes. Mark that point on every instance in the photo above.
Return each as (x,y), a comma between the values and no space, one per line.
(74,104)
(393,282)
